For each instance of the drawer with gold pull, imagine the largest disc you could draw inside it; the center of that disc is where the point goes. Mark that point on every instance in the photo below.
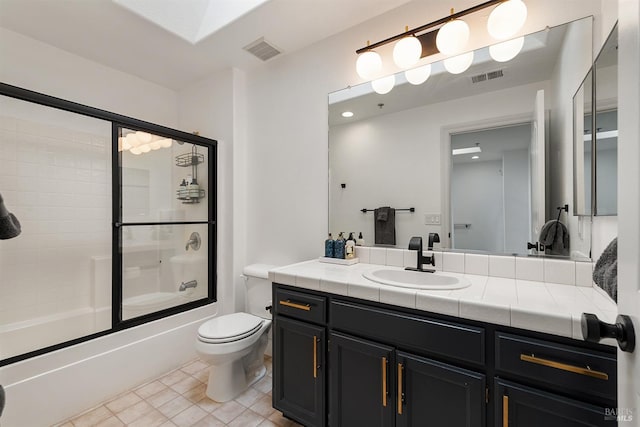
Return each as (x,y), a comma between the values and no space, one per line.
(560,366)
(300,305)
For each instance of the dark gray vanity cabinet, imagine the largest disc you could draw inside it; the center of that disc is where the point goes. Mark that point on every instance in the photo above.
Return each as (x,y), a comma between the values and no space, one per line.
(375,385)
(299,363)
(520,406)
(581,374)
(344,362)
(361,377)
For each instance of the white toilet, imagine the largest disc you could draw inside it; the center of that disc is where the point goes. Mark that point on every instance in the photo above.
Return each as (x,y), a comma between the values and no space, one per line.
(234,344)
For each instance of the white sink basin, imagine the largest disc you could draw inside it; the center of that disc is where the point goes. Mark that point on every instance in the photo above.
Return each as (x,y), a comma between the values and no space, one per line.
(416,279)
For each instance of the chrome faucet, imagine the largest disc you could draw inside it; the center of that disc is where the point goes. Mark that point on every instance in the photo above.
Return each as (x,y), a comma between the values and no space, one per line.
(190,284)
(415,244)
(193,242)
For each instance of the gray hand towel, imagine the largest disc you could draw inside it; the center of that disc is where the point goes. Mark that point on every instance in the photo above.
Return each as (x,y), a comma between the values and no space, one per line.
(555,237)
(605,273)
(385,226)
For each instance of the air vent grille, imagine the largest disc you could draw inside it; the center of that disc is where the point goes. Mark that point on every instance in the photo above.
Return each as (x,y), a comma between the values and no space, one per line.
(479,78)
(494,74)
(486,76)
(262,49)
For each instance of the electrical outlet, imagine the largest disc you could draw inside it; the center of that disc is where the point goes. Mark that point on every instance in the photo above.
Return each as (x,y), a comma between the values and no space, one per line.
(432,219)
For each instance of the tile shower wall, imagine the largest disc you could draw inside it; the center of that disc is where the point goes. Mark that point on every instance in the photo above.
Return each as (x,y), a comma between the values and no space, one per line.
(55,177)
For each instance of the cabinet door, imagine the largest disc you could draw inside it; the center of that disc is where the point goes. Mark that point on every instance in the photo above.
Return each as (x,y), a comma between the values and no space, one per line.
(438,394)
(361,382)
(520,406)
(299,371)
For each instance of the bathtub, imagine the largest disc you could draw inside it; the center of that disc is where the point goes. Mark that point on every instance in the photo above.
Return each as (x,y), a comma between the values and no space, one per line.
(151,302)
(33,334)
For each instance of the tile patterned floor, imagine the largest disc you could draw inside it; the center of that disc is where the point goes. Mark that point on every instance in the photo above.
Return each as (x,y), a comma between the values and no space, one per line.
(178,399)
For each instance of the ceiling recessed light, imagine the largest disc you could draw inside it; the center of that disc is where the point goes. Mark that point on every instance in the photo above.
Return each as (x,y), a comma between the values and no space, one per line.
(347,114)
(475,157)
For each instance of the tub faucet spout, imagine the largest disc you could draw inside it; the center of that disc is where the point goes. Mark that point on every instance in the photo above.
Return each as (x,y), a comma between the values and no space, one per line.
(186,285)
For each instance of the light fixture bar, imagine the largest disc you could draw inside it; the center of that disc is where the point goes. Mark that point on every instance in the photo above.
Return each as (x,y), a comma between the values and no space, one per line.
(429,25)
(469,150)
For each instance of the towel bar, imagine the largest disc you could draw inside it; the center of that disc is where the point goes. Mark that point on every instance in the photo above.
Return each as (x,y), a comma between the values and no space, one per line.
(371,210)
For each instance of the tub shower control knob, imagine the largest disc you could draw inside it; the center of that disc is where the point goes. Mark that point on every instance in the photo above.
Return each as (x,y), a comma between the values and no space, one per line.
(594,329)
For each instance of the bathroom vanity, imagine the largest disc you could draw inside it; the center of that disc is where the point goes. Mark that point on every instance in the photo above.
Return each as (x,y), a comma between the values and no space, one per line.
(351,352)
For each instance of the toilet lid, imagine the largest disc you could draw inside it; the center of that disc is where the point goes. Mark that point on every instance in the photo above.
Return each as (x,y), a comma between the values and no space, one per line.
(230,327)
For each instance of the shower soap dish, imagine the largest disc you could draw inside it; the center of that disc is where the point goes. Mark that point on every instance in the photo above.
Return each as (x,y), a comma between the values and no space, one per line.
(339,261)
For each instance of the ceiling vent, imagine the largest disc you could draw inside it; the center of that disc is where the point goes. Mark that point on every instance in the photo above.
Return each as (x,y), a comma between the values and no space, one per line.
(486,76)
(479,78)
(494,74)
(262,49)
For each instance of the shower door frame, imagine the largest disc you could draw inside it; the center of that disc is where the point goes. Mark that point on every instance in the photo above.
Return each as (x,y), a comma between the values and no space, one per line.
(118,120)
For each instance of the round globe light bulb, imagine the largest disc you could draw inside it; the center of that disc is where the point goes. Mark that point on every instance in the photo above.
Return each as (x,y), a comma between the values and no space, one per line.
(453,37)
(419,75)
(143,137)
(135,150)
(132,140)
(155,145)
(384,85)
(458,64)
(506,19)
(144,148)
(506,51)
(166,143)
(407,52)
(125,144)
(368,64)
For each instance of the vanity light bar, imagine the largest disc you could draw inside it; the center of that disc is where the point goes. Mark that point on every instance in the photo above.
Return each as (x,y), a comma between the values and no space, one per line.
(469,150)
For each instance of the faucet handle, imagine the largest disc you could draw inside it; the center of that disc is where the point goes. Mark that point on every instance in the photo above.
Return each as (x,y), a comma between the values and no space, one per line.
(415,243)
(433,238)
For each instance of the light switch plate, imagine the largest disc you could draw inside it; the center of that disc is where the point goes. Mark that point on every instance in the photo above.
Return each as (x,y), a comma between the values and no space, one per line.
(432,219)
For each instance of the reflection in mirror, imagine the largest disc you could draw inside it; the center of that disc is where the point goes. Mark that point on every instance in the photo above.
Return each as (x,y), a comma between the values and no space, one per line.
(606,127)
(582,113)
(396,149)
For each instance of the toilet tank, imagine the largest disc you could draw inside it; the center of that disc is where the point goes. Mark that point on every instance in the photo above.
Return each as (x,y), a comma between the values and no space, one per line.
(258,289)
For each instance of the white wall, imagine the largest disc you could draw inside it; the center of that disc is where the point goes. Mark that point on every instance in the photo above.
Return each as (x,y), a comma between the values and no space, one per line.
(68,377)
(287,134)
(210,108)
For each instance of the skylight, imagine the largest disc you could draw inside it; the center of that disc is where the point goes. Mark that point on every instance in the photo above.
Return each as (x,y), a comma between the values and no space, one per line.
(192,20)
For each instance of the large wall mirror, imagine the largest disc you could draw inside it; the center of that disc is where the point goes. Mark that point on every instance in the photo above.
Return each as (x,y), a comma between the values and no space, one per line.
(473,156)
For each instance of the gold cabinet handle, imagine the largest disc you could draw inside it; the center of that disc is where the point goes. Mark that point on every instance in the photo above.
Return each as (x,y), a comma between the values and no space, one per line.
(399,388)
(564,367)
(315,356)
(384,381)
(305,307)
(505,411)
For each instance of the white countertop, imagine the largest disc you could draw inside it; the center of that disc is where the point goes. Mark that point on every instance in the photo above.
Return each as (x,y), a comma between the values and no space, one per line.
(537,306)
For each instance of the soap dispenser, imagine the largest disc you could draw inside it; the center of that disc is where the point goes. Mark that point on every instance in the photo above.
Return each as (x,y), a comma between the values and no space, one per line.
(338,249)
(329,247)
(360,240)
(350,247)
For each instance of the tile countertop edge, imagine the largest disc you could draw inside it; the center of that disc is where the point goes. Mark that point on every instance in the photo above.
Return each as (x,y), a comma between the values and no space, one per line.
(519,314)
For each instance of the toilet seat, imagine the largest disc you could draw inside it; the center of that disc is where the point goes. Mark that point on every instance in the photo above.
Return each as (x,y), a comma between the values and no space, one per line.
(229,328)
